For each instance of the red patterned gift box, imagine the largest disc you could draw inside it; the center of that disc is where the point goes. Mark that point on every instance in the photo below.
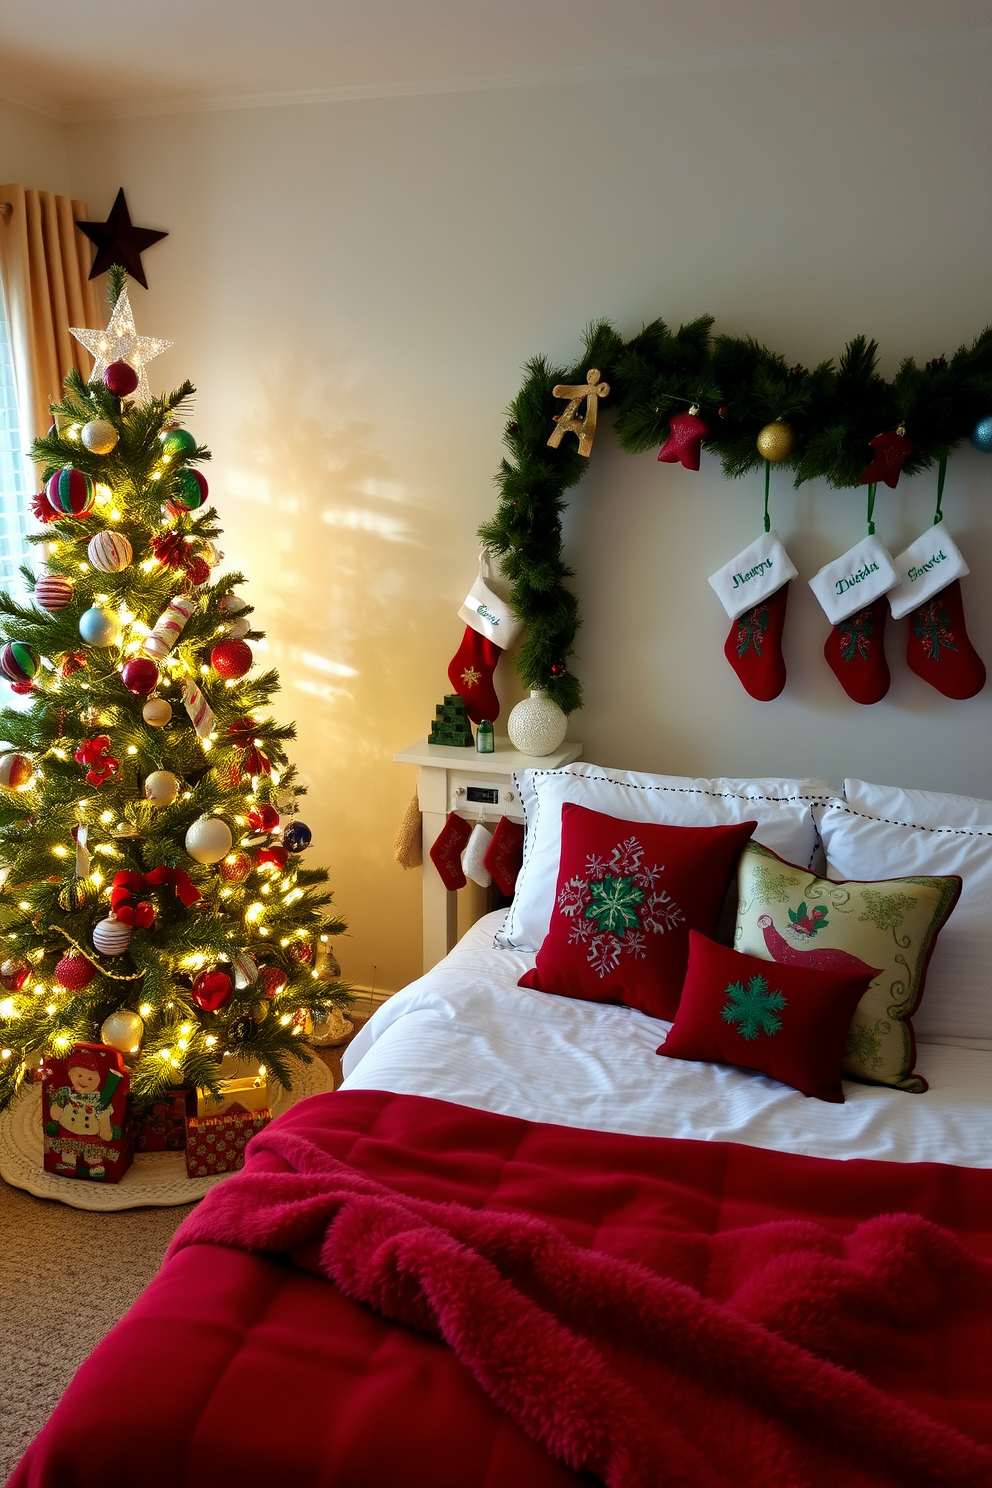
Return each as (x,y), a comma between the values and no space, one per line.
(161,1127)
(216,1144)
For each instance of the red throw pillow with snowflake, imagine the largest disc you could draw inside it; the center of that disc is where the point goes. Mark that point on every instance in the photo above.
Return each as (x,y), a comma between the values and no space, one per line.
(628,894)
(786,1021)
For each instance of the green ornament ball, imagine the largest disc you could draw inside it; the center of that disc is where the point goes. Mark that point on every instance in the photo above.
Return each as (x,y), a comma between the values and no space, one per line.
(178,442)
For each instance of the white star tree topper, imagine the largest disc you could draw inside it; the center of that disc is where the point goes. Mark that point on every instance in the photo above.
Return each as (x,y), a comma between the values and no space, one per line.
(120,342)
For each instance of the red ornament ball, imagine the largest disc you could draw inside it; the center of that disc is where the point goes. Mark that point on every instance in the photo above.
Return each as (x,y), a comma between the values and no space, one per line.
(235,868)
(140,675)
(14,974)
(277,856)
(271,981)
(212,989)
(231,659)
(74,973)
(262,817)
(120,378)
(302,951)
(198,570)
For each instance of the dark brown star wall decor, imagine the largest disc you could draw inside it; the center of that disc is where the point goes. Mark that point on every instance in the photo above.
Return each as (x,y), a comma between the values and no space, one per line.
(118,241)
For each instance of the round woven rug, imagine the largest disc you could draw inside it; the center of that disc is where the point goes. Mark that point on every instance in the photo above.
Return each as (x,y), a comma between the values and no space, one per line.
(154,1178)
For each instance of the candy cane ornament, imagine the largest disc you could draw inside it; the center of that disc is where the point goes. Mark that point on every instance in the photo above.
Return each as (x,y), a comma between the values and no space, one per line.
(169,627)
(201,715)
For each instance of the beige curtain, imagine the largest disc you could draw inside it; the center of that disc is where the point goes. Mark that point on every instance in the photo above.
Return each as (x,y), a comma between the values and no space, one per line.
(44,261)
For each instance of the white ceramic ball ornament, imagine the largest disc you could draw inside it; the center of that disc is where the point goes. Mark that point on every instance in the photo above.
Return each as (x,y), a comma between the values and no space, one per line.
(237,629)
(156,712)
(161,788)
(209,839)
(123,1031)
(537,725)
(109,552)
(99,626)
(100,436)
(111,937)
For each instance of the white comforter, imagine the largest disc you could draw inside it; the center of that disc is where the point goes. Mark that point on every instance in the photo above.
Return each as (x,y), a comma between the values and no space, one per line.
(466,1032)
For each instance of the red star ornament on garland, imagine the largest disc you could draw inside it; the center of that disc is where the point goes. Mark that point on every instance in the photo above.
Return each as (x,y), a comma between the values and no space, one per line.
(685,434)
(118,241)
(892,450)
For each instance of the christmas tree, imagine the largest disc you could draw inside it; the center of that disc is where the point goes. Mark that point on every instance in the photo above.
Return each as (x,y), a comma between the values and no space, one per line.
(155,894)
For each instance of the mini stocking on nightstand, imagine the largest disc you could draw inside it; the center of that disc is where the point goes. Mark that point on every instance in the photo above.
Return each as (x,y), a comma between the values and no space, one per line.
(754,646)
(939,649)
(470,673)
(855,651)
(446,854)
(474,856)
(506,855)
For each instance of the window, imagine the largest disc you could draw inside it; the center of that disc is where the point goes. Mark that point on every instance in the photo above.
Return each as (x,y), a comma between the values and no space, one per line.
(15,511)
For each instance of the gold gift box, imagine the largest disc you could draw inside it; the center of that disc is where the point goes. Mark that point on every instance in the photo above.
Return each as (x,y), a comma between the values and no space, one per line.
(250,1093)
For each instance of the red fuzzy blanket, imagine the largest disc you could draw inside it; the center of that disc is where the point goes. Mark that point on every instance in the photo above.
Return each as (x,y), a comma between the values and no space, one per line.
(624,1372)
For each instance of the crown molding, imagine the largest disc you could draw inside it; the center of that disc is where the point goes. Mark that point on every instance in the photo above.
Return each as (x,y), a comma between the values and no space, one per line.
(929,42)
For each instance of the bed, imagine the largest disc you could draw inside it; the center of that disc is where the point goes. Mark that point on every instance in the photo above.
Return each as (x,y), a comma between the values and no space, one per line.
(519,1248)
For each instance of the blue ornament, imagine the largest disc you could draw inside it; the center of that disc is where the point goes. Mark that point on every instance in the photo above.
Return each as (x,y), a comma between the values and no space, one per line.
(981,435)
(296,837)
(99,627)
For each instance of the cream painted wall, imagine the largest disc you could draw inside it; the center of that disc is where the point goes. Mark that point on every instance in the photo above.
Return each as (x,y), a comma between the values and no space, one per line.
(354,287)
(33,149)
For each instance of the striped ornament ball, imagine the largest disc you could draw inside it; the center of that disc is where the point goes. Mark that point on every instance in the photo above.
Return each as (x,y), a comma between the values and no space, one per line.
(19,662)
(71,493)
(109,552)
(111,937)
(52,593)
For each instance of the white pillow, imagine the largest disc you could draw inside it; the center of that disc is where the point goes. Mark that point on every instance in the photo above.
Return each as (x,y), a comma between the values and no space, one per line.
(957,1002)
(782,809)
(922,808)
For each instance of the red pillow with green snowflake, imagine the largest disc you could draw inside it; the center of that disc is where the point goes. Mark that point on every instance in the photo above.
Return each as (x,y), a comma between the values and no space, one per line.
(785,1021)
(628,894)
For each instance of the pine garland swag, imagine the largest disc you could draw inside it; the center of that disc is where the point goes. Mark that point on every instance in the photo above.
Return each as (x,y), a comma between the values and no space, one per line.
(739,386)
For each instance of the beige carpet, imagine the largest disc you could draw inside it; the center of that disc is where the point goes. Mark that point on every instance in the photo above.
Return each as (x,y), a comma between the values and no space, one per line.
(66,1276)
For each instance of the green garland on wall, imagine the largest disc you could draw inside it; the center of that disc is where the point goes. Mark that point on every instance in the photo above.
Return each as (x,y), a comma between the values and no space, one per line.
(739,386)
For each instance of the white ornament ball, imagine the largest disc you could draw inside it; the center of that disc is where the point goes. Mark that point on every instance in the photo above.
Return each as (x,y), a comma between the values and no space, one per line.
(537,725)
(245,971)
(109,551)
(237,629)
(161,788)
(100,627)
(156,712)
(231,604)
(209,839)
(123,1031)
(100,436)
(111,937)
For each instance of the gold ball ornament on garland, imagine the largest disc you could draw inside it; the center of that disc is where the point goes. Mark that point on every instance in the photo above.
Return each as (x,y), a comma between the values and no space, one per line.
(100,436)
(123,1031)
(157,712)
(109,552)
(161,788)
(776,442)
(16,771)
(209,839)
(52,593)
(111,937)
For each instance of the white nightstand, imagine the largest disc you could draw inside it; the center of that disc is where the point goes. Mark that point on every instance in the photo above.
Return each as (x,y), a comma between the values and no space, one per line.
(477,786)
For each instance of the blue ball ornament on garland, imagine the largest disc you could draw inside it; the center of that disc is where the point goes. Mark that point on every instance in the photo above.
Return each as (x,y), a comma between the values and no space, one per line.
(981,435)
(297,837)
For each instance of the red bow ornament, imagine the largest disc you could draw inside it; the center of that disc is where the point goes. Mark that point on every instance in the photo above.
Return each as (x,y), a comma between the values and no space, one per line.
(128,884)
(96,754)
(241,734)
(42,510)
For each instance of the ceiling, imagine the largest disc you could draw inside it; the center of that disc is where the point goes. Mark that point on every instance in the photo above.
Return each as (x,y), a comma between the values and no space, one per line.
(78,59)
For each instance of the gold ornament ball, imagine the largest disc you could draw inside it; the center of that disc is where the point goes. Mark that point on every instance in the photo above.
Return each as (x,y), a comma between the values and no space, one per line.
(776,442)
(73,896)
(156,712)
(123,1031)
(100,436)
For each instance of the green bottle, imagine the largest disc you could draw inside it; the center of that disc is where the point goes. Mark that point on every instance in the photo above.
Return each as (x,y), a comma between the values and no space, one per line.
(485,738)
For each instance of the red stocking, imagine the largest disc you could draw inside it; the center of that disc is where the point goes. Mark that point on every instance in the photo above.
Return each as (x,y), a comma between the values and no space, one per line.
(505,854)
(855,650)
(470,673)
(446,854)
(754,646)
(939,649)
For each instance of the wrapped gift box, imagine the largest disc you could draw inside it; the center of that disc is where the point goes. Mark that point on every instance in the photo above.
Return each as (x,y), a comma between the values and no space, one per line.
(86,1121)
(249,1093)
(161,1127)
(216,1144)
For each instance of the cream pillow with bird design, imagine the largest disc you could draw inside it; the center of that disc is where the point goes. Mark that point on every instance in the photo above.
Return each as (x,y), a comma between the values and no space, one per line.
(790,915)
